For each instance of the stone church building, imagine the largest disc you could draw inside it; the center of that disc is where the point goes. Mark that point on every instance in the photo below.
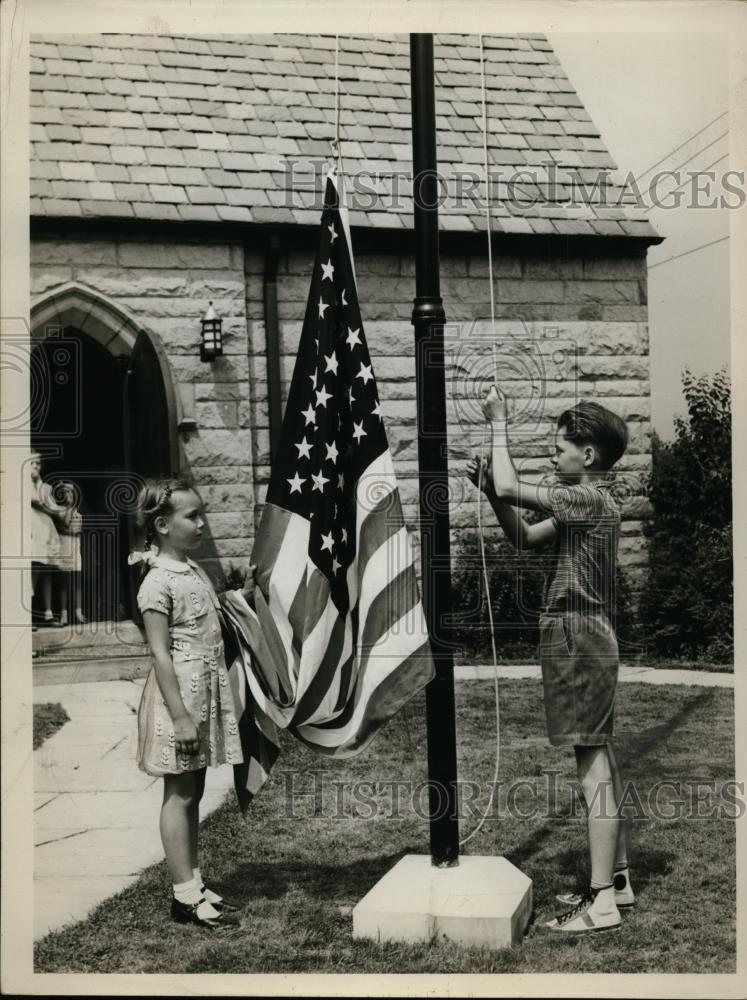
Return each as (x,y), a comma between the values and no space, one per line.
(169,173)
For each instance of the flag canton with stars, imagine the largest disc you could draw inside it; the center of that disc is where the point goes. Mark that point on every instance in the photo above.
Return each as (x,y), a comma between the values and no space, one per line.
(333,427)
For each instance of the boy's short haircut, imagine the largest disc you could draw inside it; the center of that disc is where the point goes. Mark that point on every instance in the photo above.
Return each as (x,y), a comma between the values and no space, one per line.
(590,423)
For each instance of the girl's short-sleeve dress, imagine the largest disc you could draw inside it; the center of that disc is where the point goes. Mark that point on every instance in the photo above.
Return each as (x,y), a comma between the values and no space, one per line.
(45,540)
(184,593)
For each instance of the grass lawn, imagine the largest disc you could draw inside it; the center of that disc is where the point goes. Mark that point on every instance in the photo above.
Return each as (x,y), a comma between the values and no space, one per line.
(48,718)
(527,653)
(300,874)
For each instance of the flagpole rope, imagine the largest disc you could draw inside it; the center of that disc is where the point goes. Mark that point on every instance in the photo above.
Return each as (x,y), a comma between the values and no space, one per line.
(483,559)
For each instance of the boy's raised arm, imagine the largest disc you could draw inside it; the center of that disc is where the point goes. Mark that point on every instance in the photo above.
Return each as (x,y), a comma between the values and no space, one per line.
(555,500)
(520,534)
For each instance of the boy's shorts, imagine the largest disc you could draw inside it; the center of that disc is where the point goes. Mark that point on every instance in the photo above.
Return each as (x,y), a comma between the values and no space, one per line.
(579,658)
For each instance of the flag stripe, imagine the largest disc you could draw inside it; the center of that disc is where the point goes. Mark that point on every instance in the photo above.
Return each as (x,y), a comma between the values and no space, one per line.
(389,559)
(401,594)
(382,661)
(323,676)
(340,738)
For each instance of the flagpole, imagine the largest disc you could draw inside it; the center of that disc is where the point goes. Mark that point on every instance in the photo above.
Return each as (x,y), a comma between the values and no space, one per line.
(428,318)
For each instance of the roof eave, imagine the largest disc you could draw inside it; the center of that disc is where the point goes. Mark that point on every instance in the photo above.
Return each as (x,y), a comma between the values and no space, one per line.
(378,240)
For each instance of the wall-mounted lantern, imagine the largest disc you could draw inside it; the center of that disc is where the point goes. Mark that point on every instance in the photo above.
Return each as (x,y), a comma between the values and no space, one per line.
(211,345)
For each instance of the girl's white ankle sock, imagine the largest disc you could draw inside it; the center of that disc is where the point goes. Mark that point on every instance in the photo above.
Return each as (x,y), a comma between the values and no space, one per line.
(209,895)
(206,910)
(188,893)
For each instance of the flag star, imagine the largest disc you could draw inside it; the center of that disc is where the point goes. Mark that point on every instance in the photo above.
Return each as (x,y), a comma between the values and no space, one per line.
(365,373)
(319,482)
(322,397)
(333,231)
(316,341)
(310,415)
(315,375)
(332,364)
(353,338)
(327,270)
(322,306)
(343,299)
(345,535)
(304,449)
(327,542)
(295,483)
(332,451)
(340,482)
(351,397)
(335,565)
(358,433)
(376,412)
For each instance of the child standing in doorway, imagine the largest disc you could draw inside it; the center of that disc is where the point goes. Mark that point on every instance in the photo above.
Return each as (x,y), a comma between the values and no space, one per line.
(45,540)
(70,526)
(578,646)
(187,718)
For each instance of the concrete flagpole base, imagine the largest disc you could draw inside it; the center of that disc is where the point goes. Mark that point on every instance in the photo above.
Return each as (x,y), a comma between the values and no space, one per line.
(482,901)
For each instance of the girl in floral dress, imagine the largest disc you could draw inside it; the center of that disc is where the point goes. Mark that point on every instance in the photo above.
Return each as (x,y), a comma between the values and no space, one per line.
(187,718)
(45,539)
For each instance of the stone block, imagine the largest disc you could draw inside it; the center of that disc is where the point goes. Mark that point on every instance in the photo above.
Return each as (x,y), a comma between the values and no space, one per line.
(206,392)
(196,256)
(206,476)
(547,268)
(217,414)
(623,314)
(602,291)
(233,525)
(481,902)
(219,447)
(45,278)
(188,368)
(615,387)
(73,252)
(615,268)
(220,496)
(596,366)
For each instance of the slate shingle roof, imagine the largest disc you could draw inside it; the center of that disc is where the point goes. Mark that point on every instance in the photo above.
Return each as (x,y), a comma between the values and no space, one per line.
(207,128)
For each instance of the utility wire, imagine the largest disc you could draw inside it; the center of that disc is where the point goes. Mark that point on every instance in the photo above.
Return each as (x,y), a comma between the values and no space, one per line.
(682,146)
(685,253)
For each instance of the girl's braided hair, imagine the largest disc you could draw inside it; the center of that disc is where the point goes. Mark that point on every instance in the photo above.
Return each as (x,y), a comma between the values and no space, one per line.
(155,500)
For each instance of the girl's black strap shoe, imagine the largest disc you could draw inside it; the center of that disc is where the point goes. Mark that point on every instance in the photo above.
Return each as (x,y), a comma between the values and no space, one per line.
(188,913)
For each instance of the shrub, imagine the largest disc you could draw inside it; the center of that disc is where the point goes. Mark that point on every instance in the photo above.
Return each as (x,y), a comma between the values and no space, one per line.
(517,583)
(687,602)
(232,577)
(516,591)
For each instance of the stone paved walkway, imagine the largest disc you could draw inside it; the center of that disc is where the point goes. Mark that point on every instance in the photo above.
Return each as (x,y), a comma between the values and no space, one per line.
(96,814)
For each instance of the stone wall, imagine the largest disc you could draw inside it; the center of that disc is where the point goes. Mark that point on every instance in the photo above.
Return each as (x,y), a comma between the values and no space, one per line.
(566,330)
(167,287)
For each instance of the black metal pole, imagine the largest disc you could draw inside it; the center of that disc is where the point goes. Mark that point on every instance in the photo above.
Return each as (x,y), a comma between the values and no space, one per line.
(428,318)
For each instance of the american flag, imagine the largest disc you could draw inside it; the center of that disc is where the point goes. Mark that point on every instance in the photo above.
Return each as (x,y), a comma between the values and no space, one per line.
(337,641)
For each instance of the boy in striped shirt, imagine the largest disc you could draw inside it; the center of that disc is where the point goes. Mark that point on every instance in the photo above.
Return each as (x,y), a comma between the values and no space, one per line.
(578,647)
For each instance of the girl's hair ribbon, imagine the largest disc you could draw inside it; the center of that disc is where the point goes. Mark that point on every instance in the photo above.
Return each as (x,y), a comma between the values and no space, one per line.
(147,556)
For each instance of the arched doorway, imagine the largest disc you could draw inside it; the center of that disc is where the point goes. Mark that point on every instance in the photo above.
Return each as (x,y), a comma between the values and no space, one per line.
(103,417)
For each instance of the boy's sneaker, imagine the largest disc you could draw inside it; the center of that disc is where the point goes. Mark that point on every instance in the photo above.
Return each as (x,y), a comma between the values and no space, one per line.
(624,895)
(583,918)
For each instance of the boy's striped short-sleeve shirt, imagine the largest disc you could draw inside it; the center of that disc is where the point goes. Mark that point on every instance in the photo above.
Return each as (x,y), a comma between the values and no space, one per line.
(584,558)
